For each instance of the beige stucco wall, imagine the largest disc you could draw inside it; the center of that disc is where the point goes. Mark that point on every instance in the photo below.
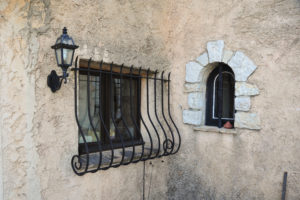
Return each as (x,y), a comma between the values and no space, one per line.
(38,130)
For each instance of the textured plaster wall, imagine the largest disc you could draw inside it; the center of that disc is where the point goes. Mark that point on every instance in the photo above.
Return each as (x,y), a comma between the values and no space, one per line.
(38,130)
(251,164)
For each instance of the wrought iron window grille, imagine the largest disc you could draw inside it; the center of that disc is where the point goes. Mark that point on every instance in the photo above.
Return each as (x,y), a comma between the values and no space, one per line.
(153,132)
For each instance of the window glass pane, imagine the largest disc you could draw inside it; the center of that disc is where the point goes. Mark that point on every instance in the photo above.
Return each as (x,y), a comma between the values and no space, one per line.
(58,56)
(110,108)
(228,96)
(67,56)
(94,108)
(126,109)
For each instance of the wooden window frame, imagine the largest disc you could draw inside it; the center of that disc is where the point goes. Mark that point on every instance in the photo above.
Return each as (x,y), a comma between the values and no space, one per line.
(211,102)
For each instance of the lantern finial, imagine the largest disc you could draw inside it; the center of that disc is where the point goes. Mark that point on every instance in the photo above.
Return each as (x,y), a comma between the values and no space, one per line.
(65,30)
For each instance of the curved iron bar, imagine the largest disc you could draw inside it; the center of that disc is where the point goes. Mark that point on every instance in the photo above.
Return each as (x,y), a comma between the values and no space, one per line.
(166,142)
(140,116)
(103,123)
(123,120)
(179,137)
(132,117)
(148,113)
(155,111)
(90,117)
(74,165)
(114,122)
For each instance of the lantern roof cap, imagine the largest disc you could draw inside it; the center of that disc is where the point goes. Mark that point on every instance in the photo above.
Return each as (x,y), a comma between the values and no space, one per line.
(64,41)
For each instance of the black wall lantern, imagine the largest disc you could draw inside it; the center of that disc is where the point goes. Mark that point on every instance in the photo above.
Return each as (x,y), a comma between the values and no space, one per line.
(64,51)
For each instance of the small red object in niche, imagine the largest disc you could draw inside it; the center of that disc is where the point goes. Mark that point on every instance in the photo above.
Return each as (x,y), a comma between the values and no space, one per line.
(228,125)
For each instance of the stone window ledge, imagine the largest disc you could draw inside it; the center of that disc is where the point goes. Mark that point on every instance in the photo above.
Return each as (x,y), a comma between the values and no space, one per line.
(215,129)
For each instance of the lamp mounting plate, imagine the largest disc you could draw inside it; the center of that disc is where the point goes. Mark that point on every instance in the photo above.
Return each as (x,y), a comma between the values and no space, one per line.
(53,81)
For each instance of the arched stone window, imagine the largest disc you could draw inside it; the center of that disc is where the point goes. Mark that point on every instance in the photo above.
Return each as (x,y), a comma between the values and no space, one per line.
(200,89)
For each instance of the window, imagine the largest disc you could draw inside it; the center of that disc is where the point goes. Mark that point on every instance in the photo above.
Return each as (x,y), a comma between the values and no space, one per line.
(214,101)
(118,101)
(123,116)
(220,96)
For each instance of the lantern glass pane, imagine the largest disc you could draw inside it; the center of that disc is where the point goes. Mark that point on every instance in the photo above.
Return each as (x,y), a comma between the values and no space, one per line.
(58,56)
(70,41)
(67,40)
(67,56)
(58,40)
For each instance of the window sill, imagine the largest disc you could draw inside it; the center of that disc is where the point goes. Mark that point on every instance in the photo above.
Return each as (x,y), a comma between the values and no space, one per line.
(106,157)
(93,146)
(215,129)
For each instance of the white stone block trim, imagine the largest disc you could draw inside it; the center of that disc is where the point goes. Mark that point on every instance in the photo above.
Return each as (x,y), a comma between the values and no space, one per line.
(194,100)
(242,66)
(192,72)
(192,117)
(203,59)
(247,120)
(197,72)
(192,87)
(245,89)
(242,103)
(227,56)
(215,50)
